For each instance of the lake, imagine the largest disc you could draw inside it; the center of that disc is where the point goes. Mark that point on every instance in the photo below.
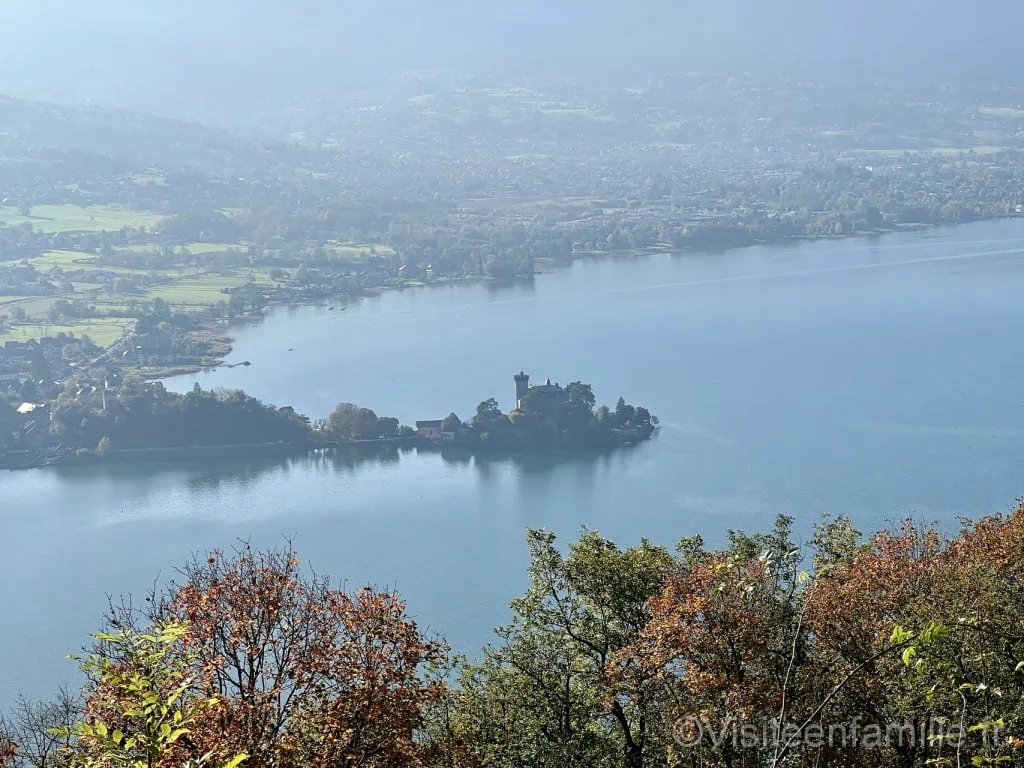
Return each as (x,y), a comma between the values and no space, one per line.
(876,377)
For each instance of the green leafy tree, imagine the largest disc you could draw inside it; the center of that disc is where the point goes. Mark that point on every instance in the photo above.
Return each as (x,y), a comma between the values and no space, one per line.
(545,695)
(350,422)
(143,704)
(387,427)
(487,414)
(581,394)
(341,422)
(365,424)
(624,412)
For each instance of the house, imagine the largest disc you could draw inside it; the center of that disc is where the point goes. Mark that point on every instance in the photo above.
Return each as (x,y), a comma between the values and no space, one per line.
(17,350)
(430,429)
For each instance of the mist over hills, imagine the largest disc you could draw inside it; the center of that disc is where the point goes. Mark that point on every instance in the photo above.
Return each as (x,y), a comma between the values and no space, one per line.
(226,61)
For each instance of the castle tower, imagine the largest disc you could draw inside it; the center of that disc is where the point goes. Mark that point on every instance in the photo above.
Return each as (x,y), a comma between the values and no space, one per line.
(522,385)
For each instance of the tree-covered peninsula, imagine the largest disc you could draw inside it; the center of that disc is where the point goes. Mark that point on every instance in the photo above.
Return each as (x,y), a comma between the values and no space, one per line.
(145,415)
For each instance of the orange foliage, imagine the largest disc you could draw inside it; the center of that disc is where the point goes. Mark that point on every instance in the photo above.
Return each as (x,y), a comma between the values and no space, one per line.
(713,624)
(729,636)
(305,674)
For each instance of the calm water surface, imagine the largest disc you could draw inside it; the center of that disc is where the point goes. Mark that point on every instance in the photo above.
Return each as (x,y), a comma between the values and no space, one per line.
(880,378)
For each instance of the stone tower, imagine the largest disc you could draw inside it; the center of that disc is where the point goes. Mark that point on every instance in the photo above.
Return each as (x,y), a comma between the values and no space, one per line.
(522,384)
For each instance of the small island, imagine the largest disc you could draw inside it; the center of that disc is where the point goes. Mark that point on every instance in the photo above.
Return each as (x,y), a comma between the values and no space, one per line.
(546,417)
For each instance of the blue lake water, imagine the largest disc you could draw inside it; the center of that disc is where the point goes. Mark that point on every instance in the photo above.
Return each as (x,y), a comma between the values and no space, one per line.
(877,377)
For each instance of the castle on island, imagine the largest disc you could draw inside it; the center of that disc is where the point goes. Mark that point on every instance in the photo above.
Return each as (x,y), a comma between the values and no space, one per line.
(544,416)
(541,394)
(540,398)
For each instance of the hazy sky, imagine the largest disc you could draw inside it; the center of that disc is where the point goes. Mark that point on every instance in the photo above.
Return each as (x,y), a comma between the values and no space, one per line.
(181,56)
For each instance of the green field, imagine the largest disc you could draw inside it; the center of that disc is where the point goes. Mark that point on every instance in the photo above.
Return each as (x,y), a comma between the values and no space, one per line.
(205,289)
(179,286)
(193,248)
(62,259)
(86,288)
(947,151)
(191,290)
(358,251)
(75,218)
(33,305)
(184,287)
(980,150)
(103,332)
(68,260)
(1002,112)
(201,248)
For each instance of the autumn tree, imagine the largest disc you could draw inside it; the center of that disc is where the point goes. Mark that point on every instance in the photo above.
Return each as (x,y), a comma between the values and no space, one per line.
(304,674)
(897,635)
(719,640)
(962,600)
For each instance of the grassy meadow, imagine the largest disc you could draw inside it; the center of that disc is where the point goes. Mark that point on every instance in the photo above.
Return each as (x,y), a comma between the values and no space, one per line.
(76,218)
(187,287)
(102,331)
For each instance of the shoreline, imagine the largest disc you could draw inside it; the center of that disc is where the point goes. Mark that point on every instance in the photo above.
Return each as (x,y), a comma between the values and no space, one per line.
(542,266)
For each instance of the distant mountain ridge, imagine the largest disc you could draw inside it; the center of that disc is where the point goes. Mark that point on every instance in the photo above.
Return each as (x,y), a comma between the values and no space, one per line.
(141,138)
(225,61)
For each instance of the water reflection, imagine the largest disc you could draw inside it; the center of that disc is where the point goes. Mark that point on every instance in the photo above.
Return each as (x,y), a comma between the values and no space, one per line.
(212,473)
(528,465)
(516,285)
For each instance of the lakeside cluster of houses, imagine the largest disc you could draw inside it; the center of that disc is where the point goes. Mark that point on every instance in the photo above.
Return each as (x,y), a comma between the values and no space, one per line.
(30,376)
(25,438)
(20,362)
